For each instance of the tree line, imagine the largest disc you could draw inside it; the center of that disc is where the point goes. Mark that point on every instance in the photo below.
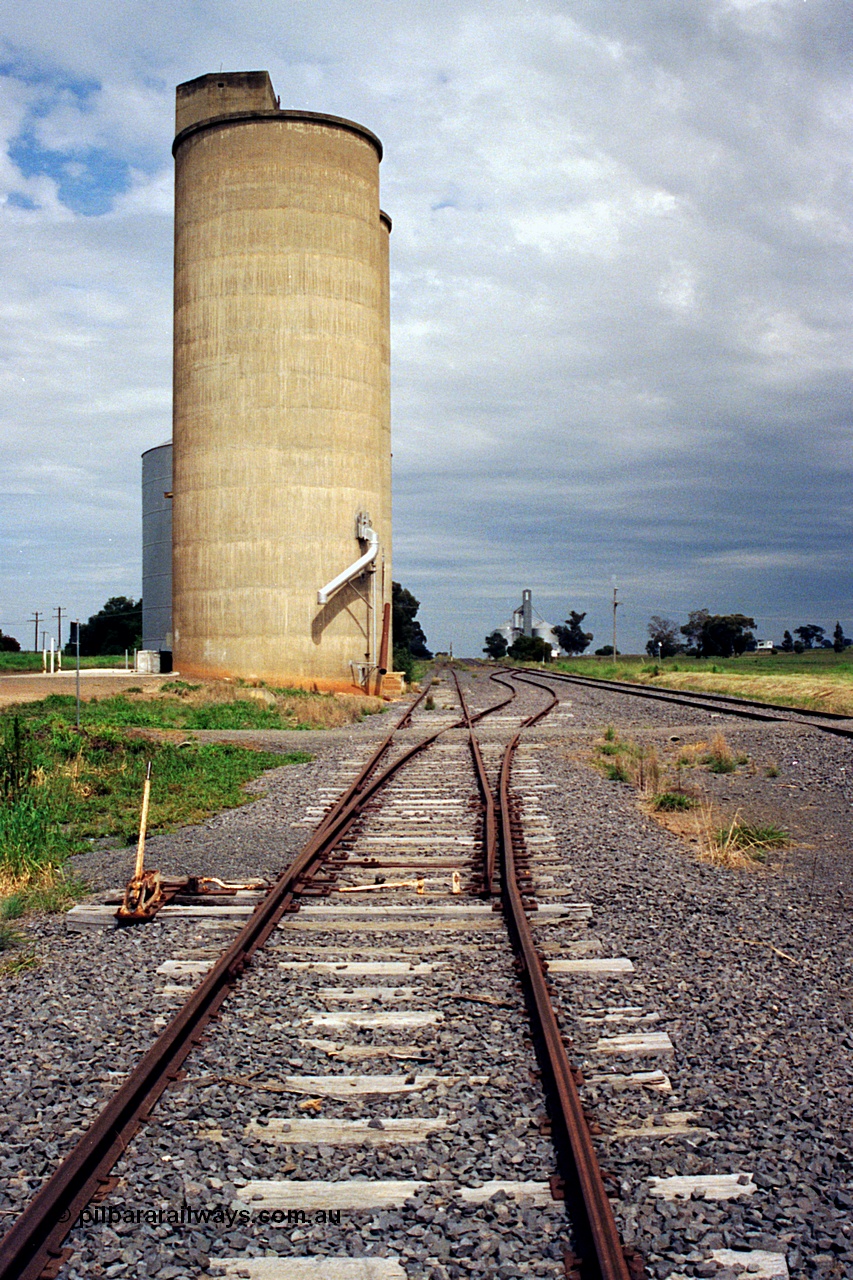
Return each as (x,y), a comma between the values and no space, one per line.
(727,635)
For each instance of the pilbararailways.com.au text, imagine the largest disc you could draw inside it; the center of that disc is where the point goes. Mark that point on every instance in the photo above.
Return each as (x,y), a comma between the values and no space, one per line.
(218,1215)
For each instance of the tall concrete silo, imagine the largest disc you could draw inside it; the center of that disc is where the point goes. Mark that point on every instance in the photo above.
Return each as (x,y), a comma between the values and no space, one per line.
(281,389)
(157,547)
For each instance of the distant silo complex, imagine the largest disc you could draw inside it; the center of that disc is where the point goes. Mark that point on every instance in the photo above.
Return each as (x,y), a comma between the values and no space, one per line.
(282,453)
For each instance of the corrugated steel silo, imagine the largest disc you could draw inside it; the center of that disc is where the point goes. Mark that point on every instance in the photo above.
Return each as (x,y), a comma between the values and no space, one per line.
(157,547)
(281,387)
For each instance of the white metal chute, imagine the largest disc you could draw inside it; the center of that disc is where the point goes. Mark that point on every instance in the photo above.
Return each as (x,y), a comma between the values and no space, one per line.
(365,534)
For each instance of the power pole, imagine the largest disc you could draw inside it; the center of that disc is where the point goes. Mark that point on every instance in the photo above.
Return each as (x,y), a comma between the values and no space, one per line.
(615,607)
(36,620)
(59,627)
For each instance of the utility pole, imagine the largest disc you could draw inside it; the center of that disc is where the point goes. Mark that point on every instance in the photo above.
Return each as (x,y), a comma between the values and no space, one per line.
(59,627)
(615,607)
(36,620)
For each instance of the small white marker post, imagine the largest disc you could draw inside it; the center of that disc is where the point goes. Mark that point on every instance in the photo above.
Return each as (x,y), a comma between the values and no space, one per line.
(77,640)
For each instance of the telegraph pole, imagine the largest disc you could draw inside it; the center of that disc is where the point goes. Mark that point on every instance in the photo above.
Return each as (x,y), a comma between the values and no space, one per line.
(615,607)
(59,627)
(36,620)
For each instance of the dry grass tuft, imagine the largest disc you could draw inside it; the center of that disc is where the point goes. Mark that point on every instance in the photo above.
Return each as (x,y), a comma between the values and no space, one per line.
(726,842)
(301,707)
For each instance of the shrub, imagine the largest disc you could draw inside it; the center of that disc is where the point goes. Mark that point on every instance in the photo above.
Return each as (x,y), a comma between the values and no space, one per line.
(16,763)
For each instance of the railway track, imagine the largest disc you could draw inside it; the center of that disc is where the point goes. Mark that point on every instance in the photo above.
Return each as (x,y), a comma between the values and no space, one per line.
(392,1010)
(373,1100)
(744,708)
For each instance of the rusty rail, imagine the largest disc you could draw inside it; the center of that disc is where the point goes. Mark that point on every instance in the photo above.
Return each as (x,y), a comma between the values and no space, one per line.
(34,1242)
(33,1245)
(490,829)
(729,704)
(602,1256)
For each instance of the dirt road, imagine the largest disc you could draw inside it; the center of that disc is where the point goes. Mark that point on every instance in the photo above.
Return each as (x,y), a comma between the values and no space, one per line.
(30,687)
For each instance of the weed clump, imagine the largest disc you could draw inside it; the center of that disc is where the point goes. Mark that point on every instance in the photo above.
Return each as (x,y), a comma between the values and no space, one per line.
(673,802)
(753,838)
(719,758)
(624,761)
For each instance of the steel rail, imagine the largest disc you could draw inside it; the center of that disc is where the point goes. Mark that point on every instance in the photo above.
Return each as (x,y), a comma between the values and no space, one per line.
(33,1245)
(711,697)
(733,706)
(490,830)
(597,1234)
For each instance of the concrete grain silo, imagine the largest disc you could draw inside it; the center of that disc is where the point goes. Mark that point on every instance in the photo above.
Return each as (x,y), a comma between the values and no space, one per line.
(157,548)
(282,474)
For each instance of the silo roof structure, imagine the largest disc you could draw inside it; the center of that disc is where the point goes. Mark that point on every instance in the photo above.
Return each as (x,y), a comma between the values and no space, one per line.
(282,475)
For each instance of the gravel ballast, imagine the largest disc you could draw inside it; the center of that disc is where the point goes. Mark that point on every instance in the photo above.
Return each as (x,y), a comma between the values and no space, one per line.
(748,973)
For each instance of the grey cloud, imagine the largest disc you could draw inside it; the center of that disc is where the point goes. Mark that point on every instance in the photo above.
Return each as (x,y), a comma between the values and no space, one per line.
(621,282)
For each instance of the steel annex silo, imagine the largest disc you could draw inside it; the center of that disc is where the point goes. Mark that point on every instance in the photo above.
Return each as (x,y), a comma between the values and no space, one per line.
(157,547)
(281,389)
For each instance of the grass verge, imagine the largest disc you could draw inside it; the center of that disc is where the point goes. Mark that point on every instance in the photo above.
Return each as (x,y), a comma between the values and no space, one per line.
(819,680)
(215,705)
(60,791)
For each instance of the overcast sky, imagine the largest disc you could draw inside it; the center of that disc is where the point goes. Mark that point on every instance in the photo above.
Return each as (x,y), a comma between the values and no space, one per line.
(621,308)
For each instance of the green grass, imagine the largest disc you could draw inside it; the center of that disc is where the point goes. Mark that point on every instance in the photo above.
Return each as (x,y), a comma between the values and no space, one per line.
(750,838)
(12,662)
(80,788)
(630,666)
(673,802)
(121,711)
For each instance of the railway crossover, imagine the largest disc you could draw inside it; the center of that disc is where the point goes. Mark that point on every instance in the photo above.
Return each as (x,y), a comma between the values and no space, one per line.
(393,1088)
(385,917)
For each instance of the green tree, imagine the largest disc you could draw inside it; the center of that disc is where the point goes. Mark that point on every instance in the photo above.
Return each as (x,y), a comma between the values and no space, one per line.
(811,636)
(692,630)
(530,649)
(496,645)
(571,637)
(787,645)
(116,627)
(8,644)
(725,635)
(838,639)
(408,632)
(663,637)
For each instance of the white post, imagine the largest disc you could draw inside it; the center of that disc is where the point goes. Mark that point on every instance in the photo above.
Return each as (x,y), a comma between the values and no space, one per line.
(43,655)
(52,657)
(58,658)
(125,661)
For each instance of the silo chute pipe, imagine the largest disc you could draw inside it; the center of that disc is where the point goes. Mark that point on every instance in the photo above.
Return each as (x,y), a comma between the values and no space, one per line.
(371,537)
